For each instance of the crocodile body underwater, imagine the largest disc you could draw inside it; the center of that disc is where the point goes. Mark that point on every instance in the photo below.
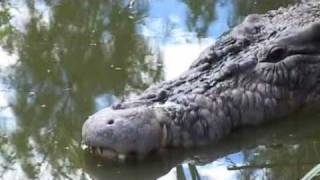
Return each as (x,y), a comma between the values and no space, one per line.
(266,68)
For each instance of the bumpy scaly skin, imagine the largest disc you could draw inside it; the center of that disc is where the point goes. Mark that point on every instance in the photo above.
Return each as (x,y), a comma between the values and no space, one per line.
(266,68)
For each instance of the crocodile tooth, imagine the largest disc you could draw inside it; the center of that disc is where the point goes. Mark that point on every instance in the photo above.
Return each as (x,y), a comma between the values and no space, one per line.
(84,147)
(121,157)
(164,136)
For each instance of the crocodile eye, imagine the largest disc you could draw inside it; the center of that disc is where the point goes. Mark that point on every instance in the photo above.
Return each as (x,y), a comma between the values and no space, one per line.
(276,54)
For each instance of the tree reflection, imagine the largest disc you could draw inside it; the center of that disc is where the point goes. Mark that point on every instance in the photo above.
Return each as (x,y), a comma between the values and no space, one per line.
(6,29)
(201,15)
(81,52)
(281,161)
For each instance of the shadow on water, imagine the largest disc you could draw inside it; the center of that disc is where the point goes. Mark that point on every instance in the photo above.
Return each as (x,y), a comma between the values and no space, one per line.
(63,60)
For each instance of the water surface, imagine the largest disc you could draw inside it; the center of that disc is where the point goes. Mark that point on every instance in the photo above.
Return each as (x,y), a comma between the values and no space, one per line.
(62,60)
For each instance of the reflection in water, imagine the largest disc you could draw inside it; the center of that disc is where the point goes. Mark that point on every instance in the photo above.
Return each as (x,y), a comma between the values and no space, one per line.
(201,14)
(183,172)
(60,61)
(7,119)
(64,65)
(285,150)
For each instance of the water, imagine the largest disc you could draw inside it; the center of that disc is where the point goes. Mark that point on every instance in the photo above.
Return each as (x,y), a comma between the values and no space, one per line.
(62,60)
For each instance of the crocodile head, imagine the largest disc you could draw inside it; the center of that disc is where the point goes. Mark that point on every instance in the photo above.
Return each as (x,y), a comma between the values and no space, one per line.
(280,75)
(119,133)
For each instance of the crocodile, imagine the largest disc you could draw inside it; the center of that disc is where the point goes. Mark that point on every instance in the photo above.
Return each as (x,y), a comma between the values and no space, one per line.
(266,68)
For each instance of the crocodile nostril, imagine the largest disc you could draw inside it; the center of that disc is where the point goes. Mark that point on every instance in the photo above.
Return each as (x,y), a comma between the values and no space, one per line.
(110,122)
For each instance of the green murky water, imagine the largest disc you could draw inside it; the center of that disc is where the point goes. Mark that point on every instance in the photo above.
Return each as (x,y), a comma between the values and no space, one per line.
(62,60)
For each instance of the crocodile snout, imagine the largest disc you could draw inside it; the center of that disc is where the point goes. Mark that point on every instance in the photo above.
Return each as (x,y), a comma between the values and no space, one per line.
(119,133)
